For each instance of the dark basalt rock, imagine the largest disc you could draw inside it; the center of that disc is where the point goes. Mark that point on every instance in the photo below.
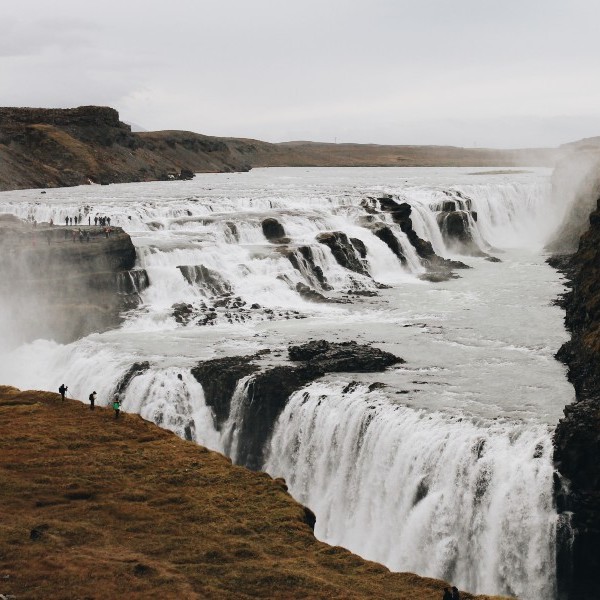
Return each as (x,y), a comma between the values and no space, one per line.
(401,215)
(219,377)
(456,230)
(136,369)
(438,276)
(206,279)
(182,312)
(303,260)
(386,235)
(345,356)
(343,251)
(269,391)
(273,230)
(309,294)
(359,246)
(577,436)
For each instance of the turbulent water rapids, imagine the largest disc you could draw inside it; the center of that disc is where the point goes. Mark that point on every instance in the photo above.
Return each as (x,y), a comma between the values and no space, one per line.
(446,470)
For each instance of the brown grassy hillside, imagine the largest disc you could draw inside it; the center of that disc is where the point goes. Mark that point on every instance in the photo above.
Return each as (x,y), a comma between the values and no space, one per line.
(92,507)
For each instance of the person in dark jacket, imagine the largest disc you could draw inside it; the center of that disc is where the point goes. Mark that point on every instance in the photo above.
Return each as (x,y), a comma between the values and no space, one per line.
(447,594)
(92,399)
(455,593)
(63,390)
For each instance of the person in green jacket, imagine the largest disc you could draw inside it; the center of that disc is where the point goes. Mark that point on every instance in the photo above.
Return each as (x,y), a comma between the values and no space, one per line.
(117,406)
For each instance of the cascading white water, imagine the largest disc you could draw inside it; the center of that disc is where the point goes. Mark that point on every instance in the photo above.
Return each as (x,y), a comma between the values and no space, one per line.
(422,492)
(359,459)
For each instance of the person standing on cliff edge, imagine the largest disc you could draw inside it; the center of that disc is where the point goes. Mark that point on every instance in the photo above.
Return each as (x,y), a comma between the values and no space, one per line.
(117,406)
(92,399)
(63,390)
(455,593)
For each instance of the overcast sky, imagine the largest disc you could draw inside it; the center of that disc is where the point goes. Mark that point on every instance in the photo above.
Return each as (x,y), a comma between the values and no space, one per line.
(499,73)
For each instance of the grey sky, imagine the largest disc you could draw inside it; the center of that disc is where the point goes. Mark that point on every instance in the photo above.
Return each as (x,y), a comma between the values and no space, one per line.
(462,72)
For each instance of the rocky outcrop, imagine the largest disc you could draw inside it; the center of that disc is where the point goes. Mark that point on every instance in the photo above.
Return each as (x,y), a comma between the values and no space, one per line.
(456,231)
(439,269)
(136,369)
(350,357)
(309,294)
(302,259)
(56,284)
(267,391)
(344,251)
(207,279)
(89,144)
(577,436)
(273,230)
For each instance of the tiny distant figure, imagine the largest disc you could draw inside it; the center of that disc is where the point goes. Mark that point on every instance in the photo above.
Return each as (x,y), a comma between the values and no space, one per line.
(66,221)
(63,390)
(447,594)
(180,376)
(108,221)
(80,235)
(34,223)
(117,406)
(106,232)
(70,220)
(96,220)
(89,220)
(87,236)
(51,221)
(92,399)
(455,593)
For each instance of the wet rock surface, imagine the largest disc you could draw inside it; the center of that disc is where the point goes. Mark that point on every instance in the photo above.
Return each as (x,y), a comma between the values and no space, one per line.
(273,230)
(206,278)
(577,436)
(344,251)
(269,390)
(401,214)
(344,356)
(303,260)
(136,369)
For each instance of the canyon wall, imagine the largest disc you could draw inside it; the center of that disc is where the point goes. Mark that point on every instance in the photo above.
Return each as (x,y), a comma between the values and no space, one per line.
(577,437)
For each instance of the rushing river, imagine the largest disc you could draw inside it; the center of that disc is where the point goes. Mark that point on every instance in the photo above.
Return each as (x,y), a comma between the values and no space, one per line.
(446,470)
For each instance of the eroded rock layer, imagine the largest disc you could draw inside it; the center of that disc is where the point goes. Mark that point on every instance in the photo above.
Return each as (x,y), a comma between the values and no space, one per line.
(577,437)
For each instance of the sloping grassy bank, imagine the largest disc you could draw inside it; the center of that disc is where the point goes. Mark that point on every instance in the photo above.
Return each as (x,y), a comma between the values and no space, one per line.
(94,507)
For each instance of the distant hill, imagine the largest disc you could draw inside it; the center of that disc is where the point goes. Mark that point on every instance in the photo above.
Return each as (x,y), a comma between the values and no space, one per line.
(63,147)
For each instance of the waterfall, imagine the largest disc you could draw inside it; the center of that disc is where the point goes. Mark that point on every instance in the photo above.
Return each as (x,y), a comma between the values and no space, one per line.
(468,502)
(465,498)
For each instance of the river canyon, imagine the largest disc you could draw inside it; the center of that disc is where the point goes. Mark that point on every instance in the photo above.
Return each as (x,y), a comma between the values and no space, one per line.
(441,464)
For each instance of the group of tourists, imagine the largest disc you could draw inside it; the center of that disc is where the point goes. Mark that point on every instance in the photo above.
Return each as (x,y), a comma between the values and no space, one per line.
(102,221)
(98,221)
(116,404)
